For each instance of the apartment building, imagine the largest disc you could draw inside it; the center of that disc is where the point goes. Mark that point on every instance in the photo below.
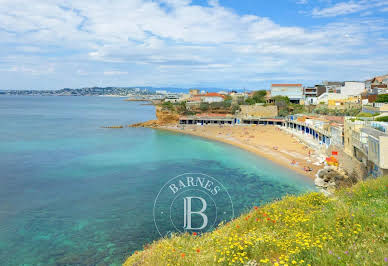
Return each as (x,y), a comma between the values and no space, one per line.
(367,141)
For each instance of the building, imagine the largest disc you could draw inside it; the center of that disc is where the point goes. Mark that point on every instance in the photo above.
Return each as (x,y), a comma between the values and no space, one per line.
(212,97)
(333,86)
(337,100)
(352,88)
(206,119)
(378,89)
(293,91)
(367,141)
(194,92)
(323,130)
(312,93)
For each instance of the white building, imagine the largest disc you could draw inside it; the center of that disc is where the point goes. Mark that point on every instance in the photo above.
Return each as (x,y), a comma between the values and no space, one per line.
(293,91)
(352,88)
(212,97)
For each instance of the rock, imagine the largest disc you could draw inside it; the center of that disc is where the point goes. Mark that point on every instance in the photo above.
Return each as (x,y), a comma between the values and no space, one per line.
(319,182)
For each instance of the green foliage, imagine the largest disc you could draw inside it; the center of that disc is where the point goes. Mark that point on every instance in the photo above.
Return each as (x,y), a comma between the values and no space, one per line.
(296,108)
(324,110)
(382,118)
(364,115)
(257,97)
(250,101)
(168,106)
(235,108)
(204,107)
(281,100)
(382,98)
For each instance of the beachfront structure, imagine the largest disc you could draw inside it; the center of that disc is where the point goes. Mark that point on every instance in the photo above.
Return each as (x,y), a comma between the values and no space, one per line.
(367,141)
(309,127)
(322,130)
(221,119)
(262,121)
(293,91)
(207,119)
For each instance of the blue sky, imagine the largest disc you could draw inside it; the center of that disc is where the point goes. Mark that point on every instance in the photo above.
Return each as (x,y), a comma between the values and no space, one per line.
(181,43)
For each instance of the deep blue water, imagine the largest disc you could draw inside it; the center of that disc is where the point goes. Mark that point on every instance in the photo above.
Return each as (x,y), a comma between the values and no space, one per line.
(72,192)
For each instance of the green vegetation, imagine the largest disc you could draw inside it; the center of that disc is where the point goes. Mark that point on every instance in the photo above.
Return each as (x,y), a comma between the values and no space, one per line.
(382,98)
(324,110)
(168,106)
(382,118)
(348,229)
(365,115)
(204,107)
(257,97)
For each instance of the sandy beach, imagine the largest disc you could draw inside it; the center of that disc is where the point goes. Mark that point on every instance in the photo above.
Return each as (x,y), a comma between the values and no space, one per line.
(266,141)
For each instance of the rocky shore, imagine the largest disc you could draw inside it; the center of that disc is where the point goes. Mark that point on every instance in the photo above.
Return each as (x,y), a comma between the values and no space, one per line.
(331,178)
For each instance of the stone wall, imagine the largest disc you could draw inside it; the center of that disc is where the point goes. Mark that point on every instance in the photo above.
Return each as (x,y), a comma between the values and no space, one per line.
(258,111)
(350,164)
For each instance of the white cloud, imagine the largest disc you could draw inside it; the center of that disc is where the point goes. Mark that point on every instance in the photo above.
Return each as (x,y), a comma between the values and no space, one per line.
(169,42)
(344,8)
(115,73)
(302,2)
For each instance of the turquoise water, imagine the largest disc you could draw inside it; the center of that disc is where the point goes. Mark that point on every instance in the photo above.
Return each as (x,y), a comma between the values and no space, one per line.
(72,192)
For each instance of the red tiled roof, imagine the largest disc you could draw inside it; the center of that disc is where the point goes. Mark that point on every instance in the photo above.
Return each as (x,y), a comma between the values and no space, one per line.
(286,85)
(213,94)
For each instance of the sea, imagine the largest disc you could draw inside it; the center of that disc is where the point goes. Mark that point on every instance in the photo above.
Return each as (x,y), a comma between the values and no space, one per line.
(75,193)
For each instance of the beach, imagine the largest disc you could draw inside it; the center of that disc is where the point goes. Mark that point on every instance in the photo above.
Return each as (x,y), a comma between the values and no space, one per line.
(267,141)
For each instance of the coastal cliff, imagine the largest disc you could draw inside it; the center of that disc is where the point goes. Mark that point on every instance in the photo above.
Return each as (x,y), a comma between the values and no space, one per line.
(164,117)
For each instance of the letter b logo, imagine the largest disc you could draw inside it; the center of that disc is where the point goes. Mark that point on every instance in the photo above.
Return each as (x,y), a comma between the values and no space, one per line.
(188,213)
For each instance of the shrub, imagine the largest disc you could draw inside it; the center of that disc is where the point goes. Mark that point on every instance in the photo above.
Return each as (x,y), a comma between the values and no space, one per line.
(382,118)
(382,98)
(168,106)
(204,107)
(364,115)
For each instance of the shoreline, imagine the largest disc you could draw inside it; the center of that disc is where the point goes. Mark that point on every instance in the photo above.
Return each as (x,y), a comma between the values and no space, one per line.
(283,156)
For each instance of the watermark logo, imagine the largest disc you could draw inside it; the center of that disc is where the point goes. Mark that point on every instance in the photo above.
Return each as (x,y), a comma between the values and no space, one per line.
(193,203)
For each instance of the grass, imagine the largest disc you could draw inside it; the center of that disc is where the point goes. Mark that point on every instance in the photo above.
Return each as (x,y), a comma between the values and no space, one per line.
(349,229)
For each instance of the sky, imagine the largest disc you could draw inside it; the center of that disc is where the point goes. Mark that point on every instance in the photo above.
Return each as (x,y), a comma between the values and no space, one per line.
(240,44)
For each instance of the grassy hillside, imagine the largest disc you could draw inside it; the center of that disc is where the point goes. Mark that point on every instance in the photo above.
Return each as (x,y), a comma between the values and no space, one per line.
(349,229)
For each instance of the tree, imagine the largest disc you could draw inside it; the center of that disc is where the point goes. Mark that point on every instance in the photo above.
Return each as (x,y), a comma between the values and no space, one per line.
(168,105)
(204,106)
(235,108)
(258,96)
(250,101)
(382,98)
(182,108)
